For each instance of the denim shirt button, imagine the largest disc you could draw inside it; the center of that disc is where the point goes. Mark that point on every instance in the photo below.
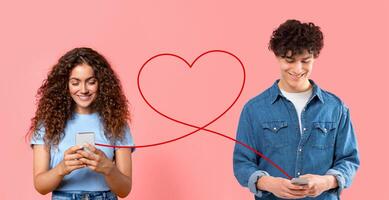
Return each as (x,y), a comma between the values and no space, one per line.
(298,173)
(305,129)
(274,128)
(300,149)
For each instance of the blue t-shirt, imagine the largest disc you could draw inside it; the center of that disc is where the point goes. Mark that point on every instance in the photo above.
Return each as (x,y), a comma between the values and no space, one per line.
(83,179)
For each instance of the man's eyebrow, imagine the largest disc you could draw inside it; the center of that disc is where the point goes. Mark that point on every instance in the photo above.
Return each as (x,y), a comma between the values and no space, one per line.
(306,58)
(293,58)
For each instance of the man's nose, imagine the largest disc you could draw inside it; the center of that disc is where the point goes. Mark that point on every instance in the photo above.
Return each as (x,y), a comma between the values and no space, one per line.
(298,68)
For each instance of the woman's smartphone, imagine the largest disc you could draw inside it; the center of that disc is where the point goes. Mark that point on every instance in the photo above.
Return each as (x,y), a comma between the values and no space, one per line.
(85,138)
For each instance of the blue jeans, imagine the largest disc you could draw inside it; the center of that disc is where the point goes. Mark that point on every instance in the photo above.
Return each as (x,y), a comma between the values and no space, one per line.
(83,195)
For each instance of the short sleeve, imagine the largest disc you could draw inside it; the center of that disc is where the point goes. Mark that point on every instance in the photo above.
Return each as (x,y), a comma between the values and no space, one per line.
(38,136)
(126,141)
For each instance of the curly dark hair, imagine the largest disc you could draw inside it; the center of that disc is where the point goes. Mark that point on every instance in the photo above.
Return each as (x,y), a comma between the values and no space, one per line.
(56,106)
(296,37)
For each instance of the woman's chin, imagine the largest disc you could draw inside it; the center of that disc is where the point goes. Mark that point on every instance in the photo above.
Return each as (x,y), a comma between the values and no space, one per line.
(83,108)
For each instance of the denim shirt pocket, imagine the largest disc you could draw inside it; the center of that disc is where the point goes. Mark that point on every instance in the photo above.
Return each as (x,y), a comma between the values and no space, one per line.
(275,133)
(323,135)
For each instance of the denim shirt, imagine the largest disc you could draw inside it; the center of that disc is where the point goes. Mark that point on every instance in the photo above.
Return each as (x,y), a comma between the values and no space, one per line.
(269,123)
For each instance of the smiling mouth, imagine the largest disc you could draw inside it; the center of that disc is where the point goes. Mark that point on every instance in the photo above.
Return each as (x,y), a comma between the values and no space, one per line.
(296,76)
(85,97)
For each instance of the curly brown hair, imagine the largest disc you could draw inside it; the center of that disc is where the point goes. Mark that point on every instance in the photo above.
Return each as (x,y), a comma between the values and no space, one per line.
(296,37)
(56,106)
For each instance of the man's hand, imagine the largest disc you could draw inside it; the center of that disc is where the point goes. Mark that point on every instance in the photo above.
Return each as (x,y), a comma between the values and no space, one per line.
(282,188)
(318,184)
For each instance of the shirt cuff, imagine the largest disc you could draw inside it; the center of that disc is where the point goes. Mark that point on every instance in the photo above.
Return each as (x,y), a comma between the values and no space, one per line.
(252,184)
(339,178)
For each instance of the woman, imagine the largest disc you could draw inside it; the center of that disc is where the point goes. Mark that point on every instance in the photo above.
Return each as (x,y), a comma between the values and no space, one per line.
(81,94)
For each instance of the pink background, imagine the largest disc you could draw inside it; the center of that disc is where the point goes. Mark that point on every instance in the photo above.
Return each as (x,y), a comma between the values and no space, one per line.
(353,65)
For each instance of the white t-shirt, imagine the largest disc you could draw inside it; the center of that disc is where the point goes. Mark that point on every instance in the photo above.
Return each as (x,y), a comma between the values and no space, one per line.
(299,101)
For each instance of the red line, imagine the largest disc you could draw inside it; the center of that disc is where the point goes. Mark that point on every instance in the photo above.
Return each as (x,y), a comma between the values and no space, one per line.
(203,127)
(210,131)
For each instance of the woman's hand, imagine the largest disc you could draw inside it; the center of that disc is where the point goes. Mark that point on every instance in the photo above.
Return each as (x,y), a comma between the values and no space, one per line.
(71,161)
(96,160)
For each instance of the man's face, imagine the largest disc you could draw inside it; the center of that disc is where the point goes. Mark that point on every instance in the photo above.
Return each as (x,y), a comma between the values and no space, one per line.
(295,71)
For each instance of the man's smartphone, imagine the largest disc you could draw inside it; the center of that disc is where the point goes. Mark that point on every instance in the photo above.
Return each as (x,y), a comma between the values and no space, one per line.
(85,137)
(299,181)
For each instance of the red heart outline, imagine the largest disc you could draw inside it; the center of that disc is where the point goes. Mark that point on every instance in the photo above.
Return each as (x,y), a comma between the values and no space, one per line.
(190,66)
(203,127)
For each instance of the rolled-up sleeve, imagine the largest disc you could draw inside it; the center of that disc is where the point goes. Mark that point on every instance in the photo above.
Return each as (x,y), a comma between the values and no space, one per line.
(245,161)
(127,140)
(38,136)
(252,184)
(346,160)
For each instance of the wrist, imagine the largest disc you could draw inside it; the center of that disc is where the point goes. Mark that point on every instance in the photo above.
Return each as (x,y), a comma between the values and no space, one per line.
(331,182)
(60,169)
(263,183)
(109,169)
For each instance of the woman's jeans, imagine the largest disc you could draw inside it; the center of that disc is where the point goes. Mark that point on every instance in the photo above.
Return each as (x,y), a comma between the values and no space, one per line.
(83,195)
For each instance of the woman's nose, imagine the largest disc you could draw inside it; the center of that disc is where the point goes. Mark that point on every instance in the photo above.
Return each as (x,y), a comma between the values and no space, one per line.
(84,89)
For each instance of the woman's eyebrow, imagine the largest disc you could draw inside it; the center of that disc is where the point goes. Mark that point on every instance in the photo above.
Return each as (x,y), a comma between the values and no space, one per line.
(73,78)
(92,77)
(77,79)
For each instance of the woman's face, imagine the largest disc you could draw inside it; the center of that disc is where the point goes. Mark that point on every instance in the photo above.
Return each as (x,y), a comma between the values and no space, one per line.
(83,87)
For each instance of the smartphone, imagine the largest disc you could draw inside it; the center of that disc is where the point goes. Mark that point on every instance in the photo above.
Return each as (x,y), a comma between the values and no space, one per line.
(85,137)
(299,181)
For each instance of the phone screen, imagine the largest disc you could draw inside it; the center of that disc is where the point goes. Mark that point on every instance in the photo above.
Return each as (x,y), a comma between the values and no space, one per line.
(85,138)
(299,181)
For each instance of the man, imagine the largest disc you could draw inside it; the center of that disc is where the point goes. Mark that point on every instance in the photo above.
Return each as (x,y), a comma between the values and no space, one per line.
(302,128)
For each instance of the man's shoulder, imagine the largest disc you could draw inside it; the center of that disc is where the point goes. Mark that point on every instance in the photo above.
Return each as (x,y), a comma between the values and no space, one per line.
(261,99)
(331,98)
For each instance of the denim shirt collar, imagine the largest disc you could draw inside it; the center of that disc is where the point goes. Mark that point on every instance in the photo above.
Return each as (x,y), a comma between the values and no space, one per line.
(275,92)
